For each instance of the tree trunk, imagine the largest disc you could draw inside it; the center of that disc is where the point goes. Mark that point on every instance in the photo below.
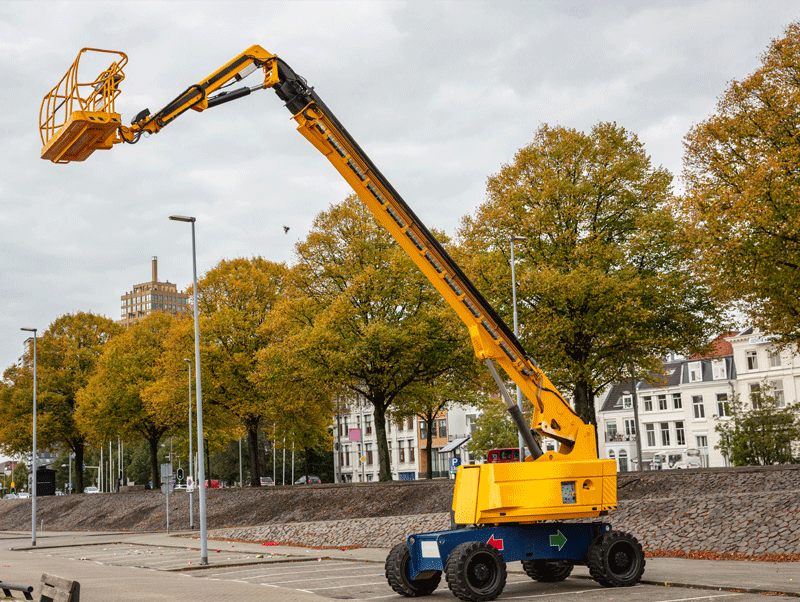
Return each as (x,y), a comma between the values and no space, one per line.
(584,402)
(155,469)
(384,459)
(252,450)
(429,451)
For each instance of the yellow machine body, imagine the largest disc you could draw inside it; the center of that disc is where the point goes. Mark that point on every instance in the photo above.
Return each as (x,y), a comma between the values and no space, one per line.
(555,486)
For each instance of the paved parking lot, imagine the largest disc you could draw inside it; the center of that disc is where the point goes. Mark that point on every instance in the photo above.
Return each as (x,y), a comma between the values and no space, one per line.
(285,576)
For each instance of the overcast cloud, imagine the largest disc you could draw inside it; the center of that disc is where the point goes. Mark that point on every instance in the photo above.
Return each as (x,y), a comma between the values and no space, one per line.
(439,94)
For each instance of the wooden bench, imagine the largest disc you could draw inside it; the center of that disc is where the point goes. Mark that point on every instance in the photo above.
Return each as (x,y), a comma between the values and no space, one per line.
(25,589)
(57,589)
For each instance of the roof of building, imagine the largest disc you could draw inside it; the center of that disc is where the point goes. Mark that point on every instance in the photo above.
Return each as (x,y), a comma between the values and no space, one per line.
(719,347)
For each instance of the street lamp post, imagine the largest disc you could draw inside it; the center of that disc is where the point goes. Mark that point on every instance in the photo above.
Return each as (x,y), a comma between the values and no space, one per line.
(35,463)
(191,464)
(201,471)
(516,334)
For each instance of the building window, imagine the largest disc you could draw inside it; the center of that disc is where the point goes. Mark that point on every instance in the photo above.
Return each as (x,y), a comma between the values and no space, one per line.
(697,407)
(665,434)
(443,427)
(680,434)
(695,372)
(623,461)
(775,359)
(662,402)
(677,403)
(777,392)
(752,359)
(410,450)
(401,447)
(630,429)
(369,453)
(423,430)
(648,404)
(611,427)
(723,407)
(755,397)
(718,369)
(627,402)
(410,423)
(701,441)
(368,424)
(651,434)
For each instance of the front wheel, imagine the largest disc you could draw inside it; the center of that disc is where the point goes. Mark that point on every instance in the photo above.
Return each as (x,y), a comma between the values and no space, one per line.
(616,559)
(476,572)
(396,569)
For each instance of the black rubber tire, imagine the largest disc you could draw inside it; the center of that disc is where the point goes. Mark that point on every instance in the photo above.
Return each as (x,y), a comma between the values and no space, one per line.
(547,571)
(616,559)
(475,572)
(396,570)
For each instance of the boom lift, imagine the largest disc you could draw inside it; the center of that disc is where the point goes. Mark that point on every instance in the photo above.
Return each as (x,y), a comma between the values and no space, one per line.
(500,507)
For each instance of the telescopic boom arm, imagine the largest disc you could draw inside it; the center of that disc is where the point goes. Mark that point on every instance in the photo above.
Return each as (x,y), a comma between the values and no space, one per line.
(78,134)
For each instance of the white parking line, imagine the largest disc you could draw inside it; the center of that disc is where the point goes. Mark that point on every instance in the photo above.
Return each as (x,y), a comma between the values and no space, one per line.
(324,579)
(267,566)
(270,575)
(316,589)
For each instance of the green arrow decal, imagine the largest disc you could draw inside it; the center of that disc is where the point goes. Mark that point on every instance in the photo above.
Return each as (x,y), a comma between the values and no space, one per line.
(558,540)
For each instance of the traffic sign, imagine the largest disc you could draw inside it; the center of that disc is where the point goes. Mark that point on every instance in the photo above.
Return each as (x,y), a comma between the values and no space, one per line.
(189,484)
(454,464)
(166,488)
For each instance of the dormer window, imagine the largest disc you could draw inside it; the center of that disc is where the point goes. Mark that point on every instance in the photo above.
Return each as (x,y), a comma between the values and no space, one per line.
(695,372)
(719,370)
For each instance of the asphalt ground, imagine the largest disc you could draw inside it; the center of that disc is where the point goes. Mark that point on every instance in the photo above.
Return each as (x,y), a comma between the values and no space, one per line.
(129,567)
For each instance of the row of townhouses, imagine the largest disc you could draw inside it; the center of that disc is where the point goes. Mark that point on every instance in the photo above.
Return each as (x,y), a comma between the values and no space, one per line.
(356,444)
(678,414)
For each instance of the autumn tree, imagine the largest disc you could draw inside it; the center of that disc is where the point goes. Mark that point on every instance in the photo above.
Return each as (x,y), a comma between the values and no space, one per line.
(431,399)
(601,279)
(742,203)
(235,298)
(760,432)
(364,320)
(117,397)
(67,353)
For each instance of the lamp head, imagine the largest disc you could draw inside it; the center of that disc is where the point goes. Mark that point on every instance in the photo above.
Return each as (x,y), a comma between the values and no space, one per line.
(182,218)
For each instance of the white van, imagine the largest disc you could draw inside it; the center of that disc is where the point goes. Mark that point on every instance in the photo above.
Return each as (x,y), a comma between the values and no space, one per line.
(687,458)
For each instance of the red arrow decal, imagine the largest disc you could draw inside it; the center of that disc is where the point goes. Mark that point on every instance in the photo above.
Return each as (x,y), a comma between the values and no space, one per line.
(497,543)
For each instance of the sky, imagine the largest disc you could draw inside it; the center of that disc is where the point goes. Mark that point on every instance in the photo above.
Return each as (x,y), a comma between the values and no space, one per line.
(439,94)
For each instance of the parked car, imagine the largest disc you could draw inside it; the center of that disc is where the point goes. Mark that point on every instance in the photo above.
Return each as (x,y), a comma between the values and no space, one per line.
(311,481)
(91,490)
(179,487)
(23,495)
(10,496)
(265,481)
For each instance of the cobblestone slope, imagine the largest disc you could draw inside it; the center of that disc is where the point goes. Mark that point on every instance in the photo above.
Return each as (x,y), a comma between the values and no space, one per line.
(742,512)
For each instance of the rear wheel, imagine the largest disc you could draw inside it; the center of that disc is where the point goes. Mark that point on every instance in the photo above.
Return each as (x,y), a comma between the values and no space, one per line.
(547,570)
(616,559)
(396,569)
(476,572)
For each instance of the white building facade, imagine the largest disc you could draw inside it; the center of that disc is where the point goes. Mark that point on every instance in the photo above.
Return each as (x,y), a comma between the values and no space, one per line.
(679,411)
(355,443)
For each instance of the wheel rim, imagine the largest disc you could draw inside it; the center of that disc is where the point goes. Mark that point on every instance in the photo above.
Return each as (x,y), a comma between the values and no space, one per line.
(482,572)
(622,559)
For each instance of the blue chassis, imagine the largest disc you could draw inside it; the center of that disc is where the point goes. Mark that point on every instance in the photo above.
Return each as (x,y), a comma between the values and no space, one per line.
(540,541)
